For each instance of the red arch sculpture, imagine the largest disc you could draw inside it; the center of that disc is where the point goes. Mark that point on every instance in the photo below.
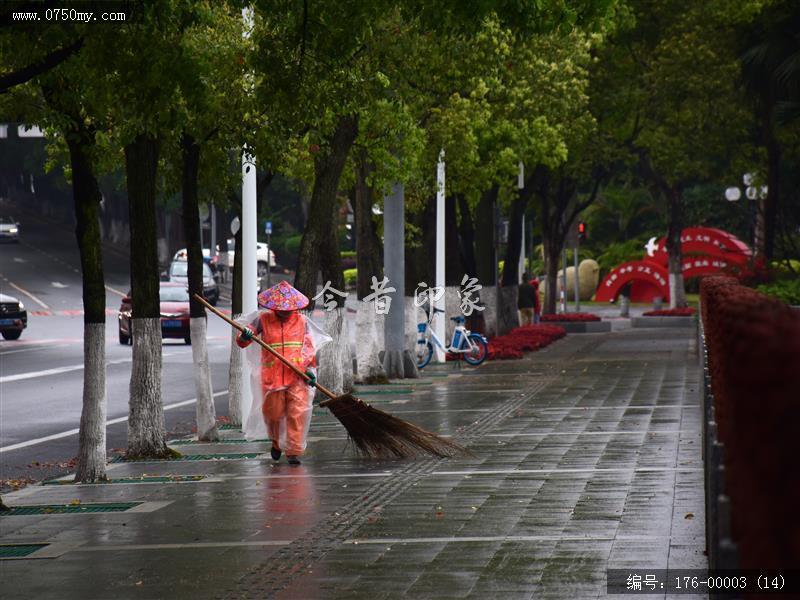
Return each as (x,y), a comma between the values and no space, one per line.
(706,250)
(648,280)
(706,241)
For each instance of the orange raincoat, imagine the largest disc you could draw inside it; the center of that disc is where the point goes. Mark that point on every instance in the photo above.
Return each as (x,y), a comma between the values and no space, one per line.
(286,404)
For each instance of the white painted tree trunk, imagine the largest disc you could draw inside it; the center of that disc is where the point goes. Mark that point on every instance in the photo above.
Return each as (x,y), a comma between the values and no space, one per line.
(204,409)
(509,313)
(413,315)
(369,343)
(146,435)
(677,290)
(346,355)
(329,361)
(235,389)
(92,436)
(488,299)
(452,308)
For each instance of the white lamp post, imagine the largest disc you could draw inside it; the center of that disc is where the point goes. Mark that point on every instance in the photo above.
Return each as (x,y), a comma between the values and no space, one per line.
(751,192)
(439,324)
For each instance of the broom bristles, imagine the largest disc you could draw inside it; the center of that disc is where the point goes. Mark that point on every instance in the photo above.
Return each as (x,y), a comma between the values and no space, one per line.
(375,433)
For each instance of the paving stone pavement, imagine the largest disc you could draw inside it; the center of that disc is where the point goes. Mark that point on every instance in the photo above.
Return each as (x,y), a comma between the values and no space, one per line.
(587,457)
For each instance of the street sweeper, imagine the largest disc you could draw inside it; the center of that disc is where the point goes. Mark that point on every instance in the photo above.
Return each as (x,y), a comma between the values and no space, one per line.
(284,399)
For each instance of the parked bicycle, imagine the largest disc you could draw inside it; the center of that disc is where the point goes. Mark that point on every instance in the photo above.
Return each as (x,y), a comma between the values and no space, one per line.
(472,346)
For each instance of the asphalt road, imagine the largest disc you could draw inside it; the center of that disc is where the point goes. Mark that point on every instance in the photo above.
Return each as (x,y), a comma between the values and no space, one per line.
(41,374)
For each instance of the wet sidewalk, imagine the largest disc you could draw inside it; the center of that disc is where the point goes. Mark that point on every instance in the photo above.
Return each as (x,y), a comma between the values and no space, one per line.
(587,458)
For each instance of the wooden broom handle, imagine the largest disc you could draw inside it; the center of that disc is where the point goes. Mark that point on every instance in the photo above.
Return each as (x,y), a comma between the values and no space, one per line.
(264,345)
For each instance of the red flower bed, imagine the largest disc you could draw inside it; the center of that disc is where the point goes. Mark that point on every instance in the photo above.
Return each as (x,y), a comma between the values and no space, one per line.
(753,344)
(570,317)
(523,339)
(671,312)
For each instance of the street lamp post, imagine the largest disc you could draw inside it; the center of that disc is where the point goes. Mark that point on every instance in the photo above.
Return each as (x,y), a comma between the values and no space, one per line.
(754,193)
(439,324)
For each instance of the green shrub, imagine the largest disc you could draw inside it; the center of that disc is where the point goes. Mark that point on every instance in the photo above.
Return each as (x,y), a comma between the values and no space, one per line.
(292,244)
(348,253)
(620,252)
(787,290)
(350,276)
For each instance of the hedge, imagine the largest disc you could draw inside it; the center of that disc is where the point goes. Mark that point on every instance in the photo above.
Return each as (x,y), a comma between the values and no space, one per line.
(753,344)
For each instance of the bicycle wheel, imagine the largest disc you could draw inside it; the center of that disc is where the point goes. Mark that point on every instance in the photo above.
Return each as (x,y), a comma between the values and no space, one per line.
(478,354)
(425,356)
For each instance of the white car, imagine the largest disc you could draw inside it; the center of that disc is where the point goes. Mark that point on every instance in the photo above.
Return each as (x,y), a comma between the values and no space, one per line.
(9,229)
(261,256)
(178,273)
(207,258)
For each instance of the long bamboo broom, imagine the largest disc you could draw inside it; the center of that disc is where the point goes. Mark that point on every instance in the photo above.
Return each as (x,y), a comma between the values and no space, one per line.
(373,432)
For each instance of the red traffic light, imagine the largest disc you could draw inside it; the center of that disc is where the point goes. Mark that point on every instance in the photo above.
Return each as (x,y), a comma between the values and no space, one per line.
(582,229)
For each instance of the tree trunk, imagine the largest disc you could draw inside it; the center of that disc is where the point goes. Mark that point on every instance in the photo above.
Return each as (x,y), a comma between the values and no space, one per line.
(330,372)
(514,247)
(369,263)
(484,237)
(368,247)
(552,250)
(768,209)
(551,242)
(420,261)
(466,234)
(86,195)
(328,168)
(204,409)
(677,292)
(235,379)
(146,435)
(453,267)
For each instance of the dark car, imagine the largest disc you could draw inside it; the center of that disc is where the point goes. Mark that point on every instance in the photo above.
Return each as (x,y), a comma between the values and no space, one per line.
(13,317)
(174,313)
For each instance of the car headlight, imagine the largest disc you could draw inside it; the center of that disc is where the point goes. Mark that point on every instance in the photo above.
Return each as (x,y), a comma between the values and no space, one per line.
(13,230)
(21,306)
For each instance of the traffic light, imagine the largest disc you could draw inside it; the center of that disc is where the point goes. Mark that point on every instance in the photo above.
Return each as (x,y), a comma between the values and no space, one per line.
(582,231)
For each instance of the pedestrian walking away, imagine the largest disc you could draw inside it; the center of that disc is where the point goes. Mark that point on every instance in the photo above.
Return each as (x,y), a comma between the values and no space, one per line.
(282,400)
(527,300)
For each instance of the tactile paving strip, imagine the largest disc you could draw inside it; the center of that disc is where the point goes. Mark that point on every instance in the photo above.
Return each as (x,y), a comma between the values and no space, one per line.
(274,576)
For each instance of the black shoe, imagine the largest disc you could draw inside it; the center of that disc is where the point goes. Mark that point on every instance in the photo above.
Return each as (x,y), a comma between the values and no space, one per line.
(293,460)
(275,453)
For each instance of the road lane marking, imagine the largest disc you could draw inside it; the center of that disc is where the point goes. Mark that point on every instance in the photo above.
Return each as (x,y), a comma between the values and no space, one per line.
(30,349)
(39,344)
(58,284)
(67,369)
(115,291)
(63,434)
(27,293)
